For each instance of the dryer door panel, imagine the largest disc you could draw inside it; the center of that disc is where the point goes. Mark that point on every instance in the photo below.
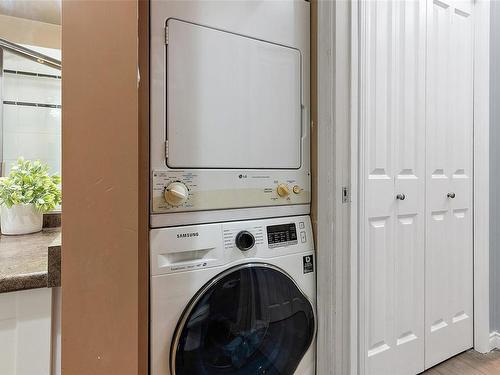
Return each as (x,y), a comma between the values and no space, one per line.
(250,320)
(232,101)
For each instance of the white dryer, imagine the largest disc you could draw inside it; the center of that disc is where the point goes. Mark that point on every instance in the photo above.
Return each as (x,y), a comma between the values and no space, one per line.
(230,104)
(233,298)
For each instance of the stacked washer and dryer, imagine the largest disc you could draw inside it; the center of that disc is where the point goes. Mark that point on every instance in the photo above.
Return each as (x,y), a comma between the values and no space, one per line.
(232,257)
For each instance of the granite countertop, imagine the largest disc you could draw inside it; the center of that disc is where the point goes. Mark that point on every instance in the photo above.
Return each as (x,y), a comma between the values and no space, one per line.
(30,261)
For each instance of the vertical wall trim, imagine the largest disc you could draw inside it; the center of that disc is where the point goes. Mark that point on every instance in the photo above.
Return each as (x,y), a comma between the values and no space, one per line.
(481,176)
(354,164)
(143,196)
(325,191)
(333,173)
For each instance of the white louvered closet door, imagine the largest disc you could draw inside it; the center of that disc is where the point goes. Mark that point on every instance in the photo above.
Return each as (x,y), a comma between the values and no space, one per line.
(449,252)
(393,163)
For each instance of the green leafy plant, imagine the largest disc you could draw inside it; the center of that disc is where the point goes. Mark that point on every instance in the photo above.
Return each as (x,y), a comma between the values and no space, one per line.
(30,183)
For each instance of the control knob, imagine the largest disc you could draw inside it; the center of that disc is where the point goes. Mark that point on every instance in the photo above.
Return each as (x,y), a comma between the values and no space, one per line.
(244,240)
(176,193)
(283,190)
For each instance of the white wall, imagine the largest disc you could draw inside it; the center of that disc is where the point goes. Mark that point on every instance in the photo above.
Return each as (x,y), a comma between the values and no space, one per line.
(30,131)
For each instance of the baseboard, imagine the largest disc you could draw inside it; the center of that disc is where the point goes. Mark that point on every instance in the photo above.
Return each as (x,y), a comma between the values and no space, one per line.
(494,340)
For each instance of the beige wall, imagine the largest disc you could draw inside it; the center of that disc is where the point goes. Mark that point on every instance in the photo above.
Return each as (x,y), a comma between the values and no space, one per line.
(104,263)
(24,31)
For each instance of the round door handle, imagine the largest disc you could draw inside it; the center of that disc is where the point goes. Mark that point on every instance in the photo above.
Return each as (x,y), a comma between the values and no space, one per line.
(401,197)
(451,195)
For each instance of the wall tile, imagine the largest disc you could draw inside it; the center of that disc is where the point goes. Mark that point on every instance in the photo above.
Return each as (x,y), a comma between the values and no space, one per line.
(32,89)
(31,132)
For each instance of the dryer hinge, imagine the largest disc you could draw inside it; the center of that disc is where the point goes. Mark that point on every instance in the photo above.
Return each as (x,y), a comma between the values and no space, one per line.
(166,35)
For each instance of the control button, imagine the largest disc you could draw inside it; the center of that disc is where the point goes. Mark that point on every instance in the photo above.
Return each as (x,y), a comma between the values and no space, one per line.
(283,190)
(301,225)
(296,189)
(176,193)
(244,240)
(303,237)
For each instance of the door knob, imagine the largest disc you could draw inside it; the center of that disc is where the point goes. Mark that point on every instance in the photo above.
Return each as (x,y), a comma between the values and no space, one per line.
(401,197)
(451,195)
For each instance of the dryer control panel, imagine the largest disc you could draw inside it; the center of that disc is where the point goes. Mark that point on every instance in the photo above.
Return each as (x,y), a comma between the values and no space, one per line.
(195,190)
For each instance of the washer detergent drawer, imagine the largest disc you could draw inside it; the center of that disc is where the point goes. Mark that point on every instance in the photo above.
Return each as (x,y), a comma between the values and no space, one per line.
(185,248)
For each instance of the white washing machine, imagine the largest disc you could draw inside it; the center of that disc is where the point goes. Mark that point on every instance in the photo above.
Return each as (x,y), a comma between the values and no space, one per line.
(233,298)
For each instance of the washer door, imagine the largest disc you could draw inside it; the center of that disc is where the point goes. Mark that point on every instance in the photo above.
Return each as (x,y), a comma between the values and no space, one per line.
(249,320)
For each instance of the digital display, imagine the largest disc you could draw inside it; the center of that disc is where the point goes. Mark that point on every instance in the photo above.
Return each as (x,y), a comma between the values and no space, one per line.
(281,235)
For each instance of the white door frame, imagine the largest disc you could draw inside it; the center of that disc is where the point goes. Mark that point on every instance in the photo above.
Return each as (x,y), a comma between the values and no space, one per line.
(338,160)
(481,198)
(333,154)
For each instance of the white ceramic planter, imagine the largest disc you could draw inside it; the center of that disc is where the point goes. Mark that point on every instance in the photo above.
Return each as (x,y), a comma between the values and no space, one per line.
(21,219)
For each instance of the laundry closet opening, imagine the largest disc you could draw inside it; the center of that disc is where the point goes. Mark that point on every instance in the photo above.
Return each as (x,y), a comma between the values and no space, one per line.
(233,267)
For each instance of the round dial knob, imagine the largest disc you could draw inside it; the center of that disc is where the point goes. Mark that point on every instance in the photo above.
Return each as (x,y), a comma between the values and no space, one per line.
(283,190)
(176,193)
(244,240)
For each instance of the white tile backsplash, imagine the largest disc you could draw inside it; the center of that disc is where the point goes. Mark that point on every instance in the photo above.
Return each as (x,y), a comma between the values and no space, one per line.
(28,131)
(31,145)
(24,119)
(32,89)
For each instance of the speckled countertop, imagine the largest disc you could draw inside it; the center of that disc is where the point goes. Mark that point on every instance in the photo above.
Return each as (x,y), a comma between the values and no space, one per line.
(30,261)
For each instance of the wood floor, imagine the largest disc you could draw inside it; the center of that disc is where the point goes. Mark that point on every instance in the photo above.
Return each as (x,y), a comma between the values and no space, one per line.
(469,363)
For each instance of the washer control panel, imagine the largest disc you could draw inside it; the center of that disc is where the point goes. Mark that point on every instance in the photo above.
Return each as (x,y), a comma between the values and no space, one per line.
(195,190)
(281,235)
(194,247)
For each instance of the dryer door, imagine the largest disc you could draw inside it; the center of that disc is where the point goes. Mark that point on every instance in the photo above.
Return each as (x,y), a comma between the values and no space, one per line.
(249,320)
(232,101)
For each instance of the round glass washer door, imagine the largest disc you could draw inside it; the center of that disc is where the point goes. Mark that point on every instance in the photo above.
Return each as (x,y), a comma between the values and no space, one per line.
(249,320)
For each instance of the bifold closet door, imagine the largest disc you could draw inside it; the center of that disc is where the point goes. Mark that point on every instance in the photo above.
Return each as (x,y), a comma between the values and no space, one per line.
(393,172)
(449,252)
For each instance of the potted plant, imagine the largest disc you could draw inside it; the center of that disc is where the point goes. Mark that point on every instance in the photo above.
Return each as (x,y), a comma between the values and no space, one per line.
(25,195)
